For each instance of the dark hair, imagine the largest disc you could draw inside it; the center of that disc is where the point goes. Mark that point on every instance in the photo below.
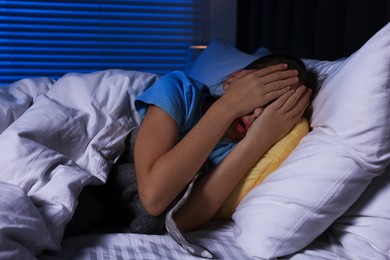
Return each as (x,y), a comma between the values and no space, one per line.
(307,77)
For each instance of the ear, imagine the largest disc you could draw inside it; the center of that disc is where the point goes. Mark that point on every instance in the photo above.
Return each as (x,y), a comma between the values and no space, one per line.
(232,76)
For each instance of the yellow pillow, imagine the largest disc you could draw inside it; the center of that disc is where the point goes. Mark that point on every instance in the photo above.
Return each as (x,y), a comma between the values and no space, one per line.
(267,163)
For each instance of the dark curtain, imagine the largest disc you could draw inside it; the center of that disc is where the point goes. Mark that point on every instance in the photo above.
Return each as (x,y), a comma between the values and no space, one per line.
(318,29)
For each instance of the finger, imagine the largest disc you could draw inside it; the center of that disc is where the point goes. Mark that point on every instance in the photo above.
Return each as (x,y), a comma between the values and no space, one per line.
(273,95)
(277,88)
(270,69)
(273,73)
(280,84)
(293,100)
(258,111)
(243,73)
(305,102)
(281,100)
(302,104)
(280,76)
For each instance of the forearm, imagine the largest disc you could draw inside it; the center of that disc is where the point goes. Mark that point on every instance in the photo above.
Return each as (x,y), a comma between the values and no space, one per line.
(161,181)
(273,124)
(165,165)
(211,191)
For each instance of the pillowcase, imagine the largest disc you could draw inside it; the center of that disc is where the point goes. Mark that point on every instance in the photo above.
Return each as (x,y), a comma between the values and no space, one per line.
(363,231)
(218,61)
(333,164)
(267,164)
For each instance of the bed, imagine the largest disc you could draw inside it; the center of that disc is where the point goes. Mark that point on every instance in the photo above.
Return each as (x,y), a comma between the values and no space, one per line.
(327,200)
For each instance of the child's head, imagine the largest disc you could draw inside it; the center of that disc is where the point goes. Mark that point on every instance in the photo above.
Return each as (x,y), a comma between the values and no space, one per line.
(307,78)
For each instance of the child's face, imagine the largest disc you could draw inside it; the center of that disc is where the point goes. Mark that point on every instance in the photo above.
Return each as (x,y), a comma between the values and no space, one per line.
(239,127)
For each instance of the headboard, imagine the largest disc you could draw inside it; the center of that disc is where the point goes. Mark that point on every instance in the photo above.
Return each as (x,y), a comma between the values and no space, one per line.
(316,29)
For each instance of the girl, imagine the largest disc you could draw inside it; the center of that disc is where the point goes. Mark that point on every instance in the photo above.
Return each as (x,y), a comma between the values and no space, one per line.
(185,128)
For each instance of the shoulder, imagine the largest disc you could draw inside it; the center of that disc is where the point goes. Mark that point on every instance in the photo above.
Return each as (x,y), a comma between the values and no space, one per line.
(179,78)
(175,93)
(176,85)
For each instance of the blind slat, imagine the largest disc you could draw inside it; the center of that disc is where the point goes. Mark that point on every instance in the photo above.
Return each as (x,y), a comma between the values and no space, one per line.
(51,38)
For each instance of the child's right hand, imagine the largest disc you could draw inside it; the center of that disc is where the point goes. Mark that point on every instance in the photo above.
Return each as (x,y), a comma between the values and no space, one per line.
(277,119)
(251,89)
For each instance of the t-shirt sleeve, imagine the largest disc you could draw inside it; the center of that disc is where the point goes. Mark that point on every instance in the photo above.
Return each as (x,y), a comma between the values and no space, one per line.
(166,93)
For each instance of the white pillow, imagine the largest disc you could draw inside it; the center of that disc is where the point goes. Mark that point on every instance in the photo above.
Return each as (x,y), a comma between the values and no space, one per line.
(333,164)
(364,230)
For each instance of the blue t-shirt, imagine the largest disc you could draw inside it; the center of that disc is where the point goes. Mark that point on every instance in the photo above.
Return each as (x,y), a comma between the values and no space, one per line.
(181,97)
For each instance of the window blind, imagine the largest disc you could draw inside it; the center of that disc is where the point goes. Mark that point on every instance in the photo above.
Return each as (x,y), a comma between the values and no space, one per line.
(50,38)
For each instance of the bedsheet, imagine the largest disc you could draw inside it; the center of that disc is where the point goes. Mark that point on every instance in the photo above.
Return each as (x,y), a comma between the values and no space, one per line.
(217,236)
(57,137)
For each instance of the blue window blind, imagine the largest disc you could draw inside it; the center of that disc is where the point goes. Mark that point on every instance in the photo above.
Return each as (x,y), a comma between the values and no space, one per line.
(50,38)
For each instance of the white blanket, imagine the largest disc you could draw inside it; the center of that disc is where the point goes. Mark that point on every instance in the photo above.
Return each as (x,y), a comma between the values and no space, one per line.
(56,138)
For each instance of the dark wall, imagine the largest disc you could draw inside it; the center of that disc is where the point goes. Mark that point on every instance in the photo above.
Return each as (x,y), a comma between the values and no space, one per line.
(321,29)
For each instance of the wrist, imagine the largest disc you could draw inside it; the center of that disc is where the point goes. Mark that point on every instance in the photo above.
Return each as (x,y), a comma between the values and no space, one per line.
(258,143)
(225,107)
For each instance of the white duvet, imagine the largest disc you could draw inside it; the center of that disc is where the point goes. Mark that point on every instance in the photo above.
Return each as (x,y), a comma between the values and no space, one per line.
(56,137)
